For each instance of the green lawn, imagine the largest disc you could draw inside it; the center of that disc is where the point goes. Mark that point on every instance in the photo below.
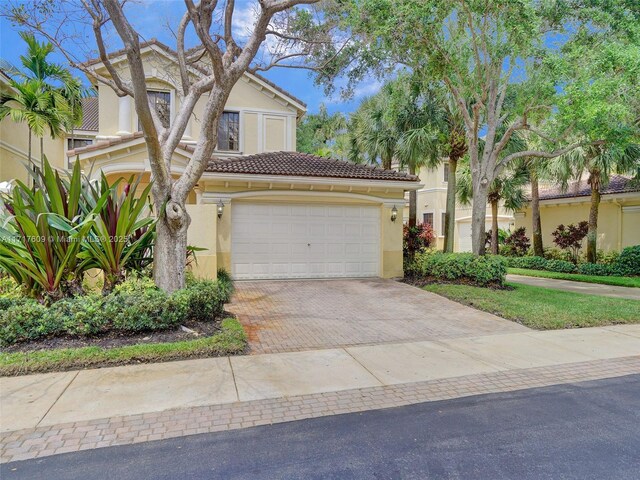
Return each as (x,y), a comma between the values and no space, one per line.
(577,277)
(544,308)
(230,340)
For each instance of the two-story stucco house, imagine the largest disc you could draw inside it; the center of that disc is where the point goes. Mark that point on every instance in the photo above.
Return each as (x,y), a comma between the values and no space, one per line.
(261,210)
(432,205)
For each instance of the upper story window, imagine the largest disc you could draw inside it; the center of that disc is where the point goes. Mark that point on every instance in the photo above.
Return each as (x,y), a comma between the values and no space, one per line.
(78,142)
(445,176)
(229,131)
(161,101)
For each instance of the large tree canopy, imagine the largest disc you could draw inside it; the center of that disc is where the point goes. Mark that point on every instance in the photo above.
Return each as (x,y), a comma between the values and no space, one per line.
(565,71)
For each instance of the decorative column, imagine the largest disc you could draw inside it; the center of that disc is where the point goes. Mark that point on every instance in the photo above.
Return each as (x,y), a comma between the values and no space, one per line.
(124,115)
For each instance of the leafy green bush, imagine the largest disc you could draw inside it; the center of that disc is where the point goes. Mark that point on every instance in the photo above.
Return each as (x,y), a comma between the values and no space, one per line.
(559,266)
(9,288)
(466,267)
(598,269)
(557,254)
(628,262)
(608,258)
(83,315)
(533,263)
(135,305)
(23,321)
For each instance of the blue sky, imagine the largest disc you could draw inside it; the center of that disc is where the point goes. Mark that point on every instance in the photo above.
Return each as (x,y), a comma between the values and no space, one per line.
(151,19)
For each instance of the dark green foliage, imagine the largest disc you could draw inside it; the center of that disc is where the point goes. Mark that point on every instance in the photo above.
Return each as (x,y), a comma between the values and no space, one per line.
(570,237)
(598,269)
(533,263)
(628,262)
(560,266)
(136,305)
(463,267)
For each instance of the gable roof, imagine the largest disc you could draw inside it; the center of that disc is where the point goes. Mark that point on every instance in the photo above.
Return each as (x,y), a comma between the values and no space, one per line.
(303,165)
(173,55)
(617,184)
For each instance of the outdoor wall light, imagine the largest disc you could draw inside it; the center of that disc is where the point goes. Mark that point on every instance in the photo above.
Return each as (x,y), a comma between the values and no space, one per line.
(220,208)
(394,213)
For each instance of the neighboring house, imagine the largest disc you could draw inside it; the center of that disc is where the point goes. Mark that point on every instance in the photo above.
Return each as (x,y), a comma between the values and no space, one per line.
(432,205)
(618,218)
(260,209)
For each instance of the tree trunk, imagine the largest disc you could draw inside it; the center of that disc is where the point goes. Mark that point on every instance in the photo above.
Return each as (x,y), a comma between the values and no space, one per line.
(538,249)
(494,227)
(478,214)
(450,214)
(413,199)
(42,153)
(592,235)
(170,250)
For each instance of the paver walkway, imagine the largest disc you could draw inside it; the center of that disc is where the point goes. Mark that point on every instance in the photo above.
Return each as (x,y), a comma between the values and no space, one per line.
(60,412)
(578,287)
(286,316)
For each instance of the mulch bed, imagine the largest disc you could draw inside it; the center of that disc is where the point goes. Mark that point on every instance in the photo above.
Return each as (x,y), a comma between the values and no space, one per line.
(121,339)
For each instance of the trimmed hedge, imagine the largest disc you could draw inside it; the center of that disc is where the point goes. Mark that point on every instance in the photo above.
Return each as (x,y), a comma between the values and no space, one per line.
(135,306)
(627,263)
(461,267)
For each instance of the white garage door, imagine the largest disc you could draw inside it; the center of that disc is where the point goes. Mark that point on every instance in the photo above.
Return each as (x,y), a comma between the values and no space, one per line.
(304,241)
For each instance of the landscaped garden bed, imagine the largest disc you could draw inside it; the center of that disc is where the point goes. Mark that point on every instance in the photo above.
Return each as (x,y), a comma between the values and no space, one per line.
(578,277)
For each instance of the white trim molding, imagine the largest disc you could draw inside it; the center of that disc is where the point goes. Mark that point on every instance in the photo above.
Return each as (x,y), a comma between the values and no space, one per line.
(215,197)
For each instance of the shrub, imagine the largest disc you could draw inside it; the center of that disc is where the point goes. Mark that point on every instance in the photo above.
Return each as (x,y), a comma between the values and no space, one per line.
(83,315)
(570,238)
(557,254)
(533,263)
(628,262)
(416,239)
(559,266)
(9,288)
(517,243)
(135,305)
(608,258)
(595,269)
(466,267)
(23,321)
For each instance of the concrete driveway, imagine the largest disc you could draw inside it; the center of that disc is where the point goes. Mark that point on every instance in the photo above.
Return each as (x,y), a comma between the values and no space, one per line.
(285,316)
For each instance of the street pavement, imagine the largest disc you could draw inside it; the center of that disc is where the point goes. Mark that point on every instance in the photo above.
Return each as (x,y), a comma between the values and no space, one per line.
(581,431)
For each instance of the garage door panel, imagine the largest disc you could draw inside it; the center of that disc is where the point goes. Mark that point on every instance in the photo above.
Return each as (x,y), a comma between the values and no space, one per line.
(304,241)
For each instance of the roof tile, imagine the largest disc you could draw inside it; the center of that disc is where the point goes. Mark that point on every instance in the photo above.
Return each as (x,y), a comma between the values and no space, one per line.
(617,184)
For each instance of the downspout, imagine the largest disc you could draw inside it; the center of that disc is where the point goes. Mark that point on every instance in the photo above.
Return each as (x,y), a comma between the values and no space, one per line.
(620,217)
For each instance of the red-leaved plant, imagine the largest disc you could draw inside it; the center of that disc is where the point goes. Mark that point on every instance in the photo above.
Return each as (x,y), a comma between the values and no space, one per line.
(570,238)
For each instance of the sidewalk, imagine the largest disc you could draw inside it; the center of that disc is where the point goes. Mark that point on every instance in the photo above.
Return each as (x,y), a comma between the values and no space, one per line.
(60,412)
(578,287)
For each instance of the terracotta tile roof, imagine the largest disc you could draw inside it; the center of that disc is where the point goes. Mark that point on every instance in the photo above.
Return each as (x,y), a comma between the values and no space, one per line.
(90,114)
(172,52)
(303,165)
(617,184)
(101,144)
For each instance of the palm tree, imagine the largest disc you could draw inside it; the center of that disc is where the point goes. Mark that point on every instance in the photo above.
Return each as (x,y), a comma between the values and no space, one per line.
(30,103)
(598,161)
(507,188)
(61,111)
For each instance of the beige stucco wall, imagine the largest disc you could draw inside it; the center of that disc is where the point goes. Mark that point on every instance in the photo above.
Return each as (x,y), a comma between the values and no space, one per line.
(267,122)
(14,148)
(202,234)
(618,221)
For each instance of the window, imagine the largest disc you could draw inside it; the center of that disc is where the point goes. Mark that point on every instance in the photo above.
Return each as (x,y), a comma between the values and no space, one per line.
(229,131)
(445,176)
(427,218)
(78,142)
(444,216)
(162,103)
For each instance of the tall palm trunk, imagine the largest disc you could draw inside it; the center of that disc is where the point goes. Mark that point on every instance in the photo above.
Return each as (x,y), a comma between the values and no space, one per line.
(413,199)
(538,248)
(494,226)
(450,213)
(592,235)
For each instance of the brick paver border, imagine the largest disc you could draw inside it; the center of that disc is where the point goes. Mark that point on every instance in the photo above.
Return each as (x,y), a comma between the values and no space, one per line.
(71,437)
